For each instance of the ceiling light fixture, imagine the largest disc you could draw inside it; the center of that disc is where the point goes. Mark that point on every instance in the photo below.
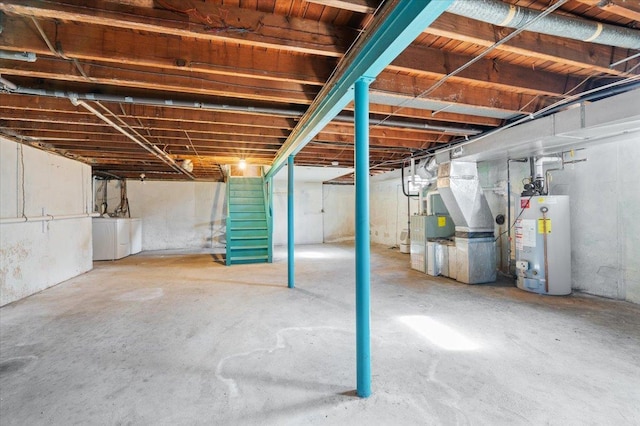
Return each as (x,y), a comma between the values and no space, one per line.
(242,164)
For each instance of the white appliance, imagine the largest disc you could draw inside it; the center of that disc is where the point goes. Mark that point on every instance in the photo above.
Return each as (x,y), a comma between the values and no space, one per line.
(418,246)
(405,242)
(111,238)
(543,244)
(135,235)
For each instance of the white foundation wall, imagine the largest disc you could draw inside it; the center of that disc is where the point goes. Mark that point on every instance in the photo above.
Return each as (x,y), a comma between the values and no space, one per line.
(605,224)
(338,205)
(308,216)
(38,255)
(605,206)
(177,215)
(388,208)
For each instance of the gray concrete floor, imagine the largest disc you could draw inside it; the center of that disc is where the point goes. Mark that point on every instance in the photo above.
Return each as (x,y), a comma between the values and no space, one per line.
(161,338)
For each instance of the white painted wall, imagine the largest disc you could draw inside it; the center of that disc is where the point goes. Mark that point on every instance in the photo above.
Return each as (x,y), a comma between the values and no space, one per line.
(38,255)
(181,215)
(605,206)
(605,219)
(308,221)
(177,215)
(339,205)
(388,208)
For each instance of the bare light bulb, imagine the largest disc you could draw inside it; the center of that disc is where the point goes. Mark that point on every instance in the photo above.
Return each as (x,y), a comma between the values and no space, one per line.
(242,164)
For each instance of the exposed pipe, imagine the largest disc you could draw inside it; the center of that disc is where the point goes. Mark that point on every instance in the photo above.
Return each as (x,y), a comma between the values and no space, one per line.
(419,126)
(18,56)
(502,14)
(165,158)
(8,84)
(223,108)
(539,166)
(46,218)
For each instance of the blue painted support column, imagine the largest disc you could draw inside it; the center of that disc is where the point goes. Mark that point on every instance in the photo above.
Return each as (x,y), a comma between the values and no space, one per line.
(290,236)
(363,333)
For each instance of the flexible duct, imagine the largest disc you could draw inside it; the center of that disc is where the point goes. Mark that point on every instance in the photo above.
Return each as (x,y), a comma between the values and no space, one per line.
(505,15)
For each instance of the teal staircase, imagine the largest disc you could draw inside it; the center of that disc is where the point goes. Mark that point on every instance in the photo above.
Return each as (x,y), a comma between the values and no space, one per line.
(248,221)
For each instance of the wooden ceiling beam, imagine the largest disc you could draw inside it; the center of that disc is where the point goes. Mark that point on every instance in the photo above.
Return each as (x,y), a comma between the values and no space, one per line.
(405,88)
(590,56)
(108,137)
(209,22)
(626,9)
(118,46)
(487,73)
(156,80)
(29,107)
(398,86)
(593,58)
(360,6)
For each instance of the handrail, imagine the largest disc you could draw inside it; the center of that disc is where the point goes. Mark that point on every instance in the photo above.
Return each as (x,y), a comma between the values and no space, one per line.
(228,221)
(267,188)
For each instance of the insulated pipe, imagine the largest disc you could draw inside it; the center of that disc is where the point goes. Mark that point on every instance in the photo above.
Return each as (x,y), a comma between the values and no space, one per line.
(290,235)
(502,14)
(46,218)
(165,158)
(363,332)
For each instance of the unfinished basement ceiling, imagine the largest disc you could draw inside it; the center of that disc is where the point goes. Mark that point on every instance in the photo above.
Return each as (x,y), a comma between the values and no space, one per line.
(219,81)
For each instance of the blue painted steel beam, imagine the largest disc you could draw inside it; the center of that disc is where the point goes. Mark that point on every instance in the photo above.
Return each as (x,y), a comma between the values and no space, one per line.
(363,333)
(290,236)
(394,27)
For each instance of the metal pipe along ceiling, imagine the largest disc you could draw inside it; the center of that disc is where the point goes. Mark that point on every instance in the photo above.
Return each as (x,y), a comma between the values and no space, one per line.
(505,15)
(220,107)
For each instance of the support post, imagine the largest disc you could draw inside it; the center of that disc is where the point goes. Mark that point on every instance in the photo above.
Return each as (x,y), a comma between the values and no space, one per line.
(290,236)
(363,334)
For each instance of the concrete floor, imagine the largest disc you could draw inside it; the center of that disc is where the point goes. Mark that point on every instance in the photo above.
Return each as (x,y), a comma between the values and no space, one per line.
(161,338)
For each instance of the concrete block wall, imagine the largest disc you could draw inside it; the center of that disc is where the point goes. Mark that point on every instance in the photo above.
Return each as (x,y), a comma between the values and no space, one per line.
(38,255)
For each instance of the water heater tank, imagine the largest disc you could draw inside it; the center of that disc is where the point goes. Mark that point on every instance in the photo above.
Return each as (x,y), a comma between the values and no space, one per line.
(543,245)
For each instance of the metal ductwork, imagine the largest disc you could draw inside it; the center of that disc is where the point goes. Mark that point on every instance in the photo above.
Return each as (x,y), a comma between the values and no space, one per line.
(505,15)
(459,187)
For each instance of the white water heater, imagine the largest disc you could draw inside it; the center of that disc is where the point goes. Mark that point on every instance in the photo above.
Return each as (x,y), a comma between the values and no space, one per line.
(543,244)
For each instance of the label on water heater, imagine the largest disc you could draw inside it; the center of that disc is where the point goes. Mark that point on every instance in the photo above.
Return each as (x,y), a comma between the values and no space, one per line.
(544,226)
(524,204)
(526,234)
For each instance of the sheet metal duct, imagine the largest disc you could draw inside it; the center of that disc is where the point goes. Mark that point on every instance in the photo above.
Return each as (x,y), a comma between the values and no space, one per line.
(460,189)
(505,15)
